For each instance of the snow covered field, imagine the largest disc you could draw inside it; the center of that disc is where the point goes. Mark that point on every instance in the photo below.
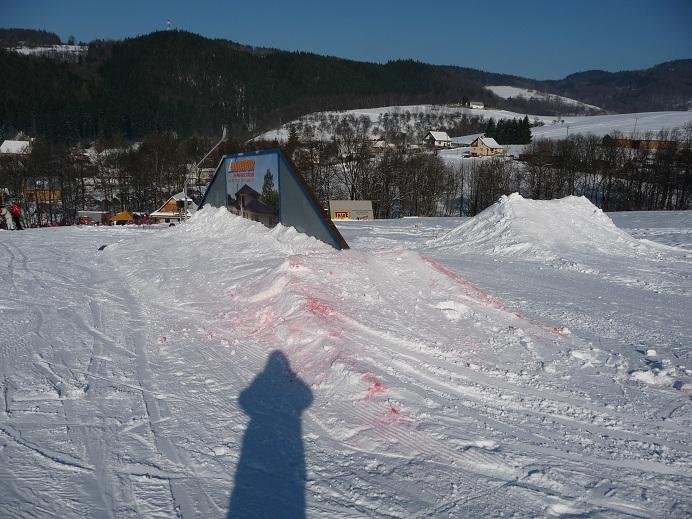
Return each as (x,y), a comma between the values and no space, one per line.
(599,125)
(637,124)
(506,92)
(533,361)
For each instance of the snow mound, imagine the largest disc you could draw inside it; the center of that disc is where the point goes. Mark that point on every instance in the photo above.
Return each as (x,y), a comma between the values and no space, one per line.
(233,233)
(541,229)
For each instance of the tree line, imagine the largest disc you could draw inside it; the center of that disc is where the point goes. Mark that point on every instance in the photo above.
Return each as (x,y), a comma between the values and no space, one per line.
(509,131)
(400,179)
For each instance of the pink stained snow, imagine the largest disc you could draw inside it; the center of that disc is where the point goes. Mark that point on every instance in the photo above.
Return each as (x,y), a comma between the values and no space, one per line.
(443,378)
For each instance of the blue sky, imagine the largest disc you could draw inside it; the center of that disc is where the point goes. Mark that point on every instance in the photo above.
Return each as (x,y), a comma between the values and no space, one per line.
(539,38)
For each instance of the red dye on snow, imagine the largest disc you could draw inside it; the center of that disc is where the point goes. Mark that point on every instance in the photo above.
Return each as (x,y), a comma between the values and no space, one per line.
(162,339)
(473,291)
(394,410)
(375,386)
(470,289)
(318,308)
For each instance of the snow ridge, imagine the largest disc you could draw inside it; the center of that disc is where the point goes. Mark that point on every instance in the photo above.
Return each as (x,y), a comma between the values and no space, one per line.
(540,229)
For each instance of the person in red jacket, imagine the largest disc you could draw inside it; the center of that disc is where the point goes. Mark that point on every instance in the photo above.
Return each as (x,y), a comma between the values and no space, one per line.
(16,213)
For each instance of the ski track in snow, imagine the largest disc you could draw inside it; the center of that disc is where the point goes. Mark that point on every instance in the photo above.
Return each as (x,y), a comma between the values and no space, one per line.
(447,381)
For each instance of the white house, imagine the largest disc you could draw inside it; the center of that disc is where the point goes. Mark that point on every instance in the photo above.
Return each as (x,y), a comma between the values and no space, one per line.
(485,147)
(438,139)
(15,147)
(477,104)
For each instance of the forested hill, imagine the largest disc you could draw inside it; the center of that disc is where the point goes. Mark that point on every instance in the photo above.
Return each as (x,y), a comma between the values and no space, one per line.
(667,86)
(189,84)
(27,37)
(183,82)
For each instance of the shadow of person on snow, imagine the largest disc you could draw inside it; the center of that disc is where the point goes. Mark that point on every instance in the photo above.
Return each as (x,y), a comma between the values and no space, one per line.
(270,475)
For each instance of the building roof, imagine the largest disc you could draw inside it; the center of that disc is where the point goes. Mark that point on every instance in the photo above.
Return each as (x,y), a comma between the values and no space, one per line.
(439,136)
(255,206)
(15,147)
(246,190)
(489,142)
(179,197)
(466,140)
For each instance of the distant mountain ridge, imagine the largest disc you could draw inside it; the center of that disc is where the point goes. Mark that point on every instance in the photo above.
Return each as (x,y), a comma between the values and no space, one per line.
(29,37)
(667,86)
(186,83)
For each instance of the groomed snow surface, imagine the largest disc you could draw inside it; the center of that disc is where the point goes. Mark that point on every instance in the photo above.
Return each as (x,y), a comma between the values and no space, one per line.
(533,361)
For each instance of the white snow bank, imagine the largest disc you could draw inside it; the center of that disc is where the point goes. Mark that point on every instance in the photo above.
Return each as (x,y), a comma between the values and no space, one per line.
(543,229)
(217,227)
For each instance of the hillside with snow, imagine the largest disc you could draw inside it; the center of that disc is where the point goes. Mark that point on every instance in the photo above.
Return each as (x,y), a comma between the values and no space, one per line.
(69,53)
(508,92)
(552,128)
(636,124)
(533,361)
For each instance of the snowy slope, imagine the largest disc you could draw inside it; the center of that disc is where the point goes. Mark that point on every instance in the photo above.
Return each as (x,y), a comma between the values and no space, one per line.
(413,379)
(506,92)
(52,49)
(599,125)
(373,114)
(638,124)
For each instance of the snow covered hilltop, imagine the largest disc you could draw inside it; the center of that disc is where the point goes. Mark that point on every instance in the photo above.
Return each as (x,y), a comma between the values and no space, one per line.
(512,363)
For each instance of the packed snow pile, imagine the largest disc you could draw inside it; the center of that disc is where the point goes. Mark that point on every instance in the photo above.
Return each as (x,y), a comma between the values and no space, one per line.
(217,227)
(540,229)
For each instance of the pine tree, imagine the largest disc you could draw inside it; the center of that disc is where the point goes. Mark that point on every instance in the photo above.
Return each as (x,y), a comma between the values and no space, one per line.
(500,131)
(490,128)
(525,131)
(269,195)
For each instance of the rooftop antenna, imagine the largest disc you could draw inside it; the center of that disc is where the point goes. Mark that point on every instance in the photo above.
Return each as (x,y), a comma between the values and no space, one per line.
(169,24)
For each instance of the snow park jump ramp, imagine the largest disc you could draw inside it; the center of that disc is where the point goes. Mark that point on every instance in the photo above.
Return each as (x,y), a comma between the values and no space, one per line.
(566,234)
(429,397)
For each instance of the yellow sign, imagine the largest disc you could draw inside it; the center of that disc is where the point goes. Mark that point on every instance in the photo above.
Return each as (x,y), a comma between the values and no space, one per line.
(243,165)
(242,169)
(342,215)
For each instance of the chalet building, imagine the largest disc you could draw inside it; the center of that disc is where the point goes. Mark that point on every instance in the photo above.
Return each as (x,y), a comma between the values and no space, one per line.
(485,147)
(437,140)
(42,190)
(173,210)
(10,147)
(248,205)
(477,105)
(380,146)
(638,144)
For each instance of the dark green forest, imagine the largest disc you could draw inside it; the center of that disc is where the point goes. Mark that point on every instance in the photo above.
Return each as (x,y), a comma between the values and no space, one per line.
(175,81)
(181,82)
(28,37)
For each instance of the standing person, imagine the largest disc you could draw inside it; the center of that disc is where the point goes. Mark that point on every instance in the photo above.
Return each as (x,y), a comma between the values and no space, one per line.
(3,217)
(16,213)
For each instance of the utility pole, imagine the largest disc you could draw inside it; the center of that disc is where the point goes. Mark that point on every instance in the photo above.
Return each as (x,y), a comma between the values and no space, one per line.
(224,135)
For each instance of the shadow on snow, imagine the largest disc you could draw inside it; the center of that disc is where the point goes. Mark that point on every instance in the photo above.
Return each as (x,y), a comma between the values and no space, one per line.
(270,475)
